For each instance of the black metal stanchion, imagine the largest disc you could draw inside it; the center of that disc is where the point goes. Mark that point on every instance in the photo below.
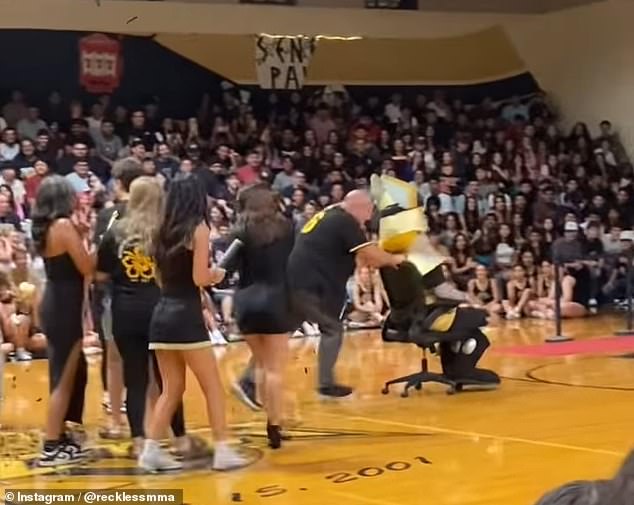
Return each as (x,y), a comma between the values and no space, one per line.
(628,331)
(559,336)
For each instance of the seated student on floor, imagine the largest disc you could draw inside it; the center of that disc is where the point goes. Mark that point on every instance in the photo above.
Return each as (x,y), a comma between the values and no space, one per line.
(369,300)
(18,318)
(483,291)
(574,296)
(519,291)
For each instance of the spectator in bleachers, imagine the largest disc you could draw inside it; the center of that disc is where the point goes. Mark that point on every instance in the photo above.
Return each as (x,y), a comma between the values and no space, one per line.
(451,227)
(108,144)
(32,183)
(15,110)
(15,187)
(7,213)
(505,251)
(17,208)
(9,147)
(462,263)
(29,126)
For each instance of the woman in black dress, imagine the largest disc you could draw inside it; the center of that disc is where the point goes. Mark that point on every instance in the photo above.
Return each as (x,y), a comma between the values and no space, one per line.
(261,301)
(177,330)
(67,262)
(123,259)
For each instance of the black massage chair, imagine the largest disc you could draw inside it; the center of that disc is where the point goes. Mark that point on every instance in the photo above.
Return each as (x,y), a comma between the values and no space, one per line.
(438,326)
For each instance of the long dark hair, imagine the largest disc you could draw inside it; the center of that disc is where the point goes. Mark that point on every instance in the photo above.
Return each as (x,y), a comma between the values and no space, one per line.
(185,208)
(260,219)
(454,251)
(10,195)
(55,199)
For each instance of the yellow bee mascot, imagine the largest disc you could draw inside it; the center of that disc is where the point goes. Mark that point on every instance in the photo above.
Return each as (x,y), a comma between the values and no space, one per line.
(425,309)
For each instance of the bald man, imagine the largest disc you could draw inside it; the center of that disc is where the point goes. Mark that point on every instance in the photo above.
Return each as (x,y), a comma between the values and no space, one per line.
(323,259)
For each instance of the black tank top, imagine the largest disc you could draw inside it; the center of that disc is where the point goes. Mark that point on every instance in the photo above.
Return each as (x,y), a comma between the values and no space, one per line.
(61,270)
(525,284)
(265,264)
(176,275)
(484,295)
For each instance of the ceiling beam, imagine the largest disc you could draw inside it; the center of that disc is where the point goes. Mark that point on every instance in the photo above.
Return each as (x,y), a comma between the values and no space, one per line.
(500,6)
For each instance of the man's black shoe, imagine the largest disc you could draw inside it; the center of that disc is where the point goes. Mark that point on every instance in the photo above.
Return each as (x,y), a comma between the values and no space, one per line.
(335,391)
(245,392)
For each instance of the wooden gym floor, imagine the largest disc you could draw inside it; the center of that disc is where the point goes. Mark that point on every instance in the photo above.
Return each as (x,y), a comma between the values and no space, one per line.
(560,415)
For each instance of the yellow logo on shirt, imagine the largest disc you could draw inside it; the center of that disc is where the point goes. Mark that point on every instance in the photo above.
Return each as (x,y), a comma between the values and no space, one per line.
(138,267)
(313,222)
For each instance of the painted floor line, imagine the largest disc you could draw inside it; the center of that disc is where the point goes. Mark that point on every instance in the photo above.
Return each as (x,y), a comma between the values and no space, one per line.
(363,499)
(471,434)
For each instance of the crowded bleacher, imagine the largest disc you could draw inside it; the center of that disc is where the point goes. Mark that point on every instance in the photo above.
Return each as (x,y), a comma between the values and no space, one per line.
(500,182)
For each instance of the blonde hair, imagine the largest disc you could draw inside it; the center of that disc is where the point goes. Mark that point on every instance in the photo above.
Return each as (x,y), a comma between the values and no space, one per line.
(143,215)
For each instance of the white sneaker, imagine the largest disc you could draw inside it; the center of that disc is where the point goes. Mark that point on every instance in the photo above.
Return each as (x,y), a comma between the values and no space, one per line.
(310,330)
(226,458)
(593,305)
(217,338)
(22,355)
(155,459)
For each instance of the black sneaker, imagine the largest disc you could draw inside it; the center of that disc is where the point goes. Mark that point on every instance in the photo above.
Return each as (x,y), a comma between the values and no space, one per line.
(76,451)
(335,391)
(73,444)
(63,453)
(245,392)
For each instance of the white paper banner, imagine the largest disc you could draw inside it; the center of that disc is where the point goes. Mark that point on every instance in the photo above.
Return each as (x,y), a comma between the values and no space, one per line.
(282,62)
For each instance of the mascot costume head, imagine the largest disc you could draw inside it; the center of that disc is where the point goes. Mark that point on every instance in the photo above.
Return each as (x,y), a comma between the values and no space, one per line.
(424,306)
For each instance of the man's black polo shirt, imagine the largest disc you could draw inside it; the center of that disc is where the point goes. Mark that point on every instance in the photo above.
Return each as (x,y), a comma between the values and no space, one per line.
(323,258)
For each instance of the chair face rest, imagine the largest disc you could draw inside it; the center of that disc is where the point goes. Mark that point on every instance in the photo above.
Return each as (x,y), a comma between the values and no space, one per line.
(403,285)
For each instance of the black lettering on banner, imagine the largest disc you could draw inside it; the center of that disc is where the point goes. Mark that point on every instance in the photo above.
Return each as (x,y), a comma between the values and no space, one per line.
(423,460)
(275,73)
(292,80)
(271,491)
(296,49)
(398,466)
(341,477)
(263,49)
(279,49)
(370,472)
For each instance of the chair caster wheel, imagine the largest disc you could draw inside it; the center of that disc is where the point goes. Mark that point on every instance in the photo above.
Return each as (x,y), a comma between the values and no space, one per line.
(404,394)
(385,391)
(418,386)
(459,388)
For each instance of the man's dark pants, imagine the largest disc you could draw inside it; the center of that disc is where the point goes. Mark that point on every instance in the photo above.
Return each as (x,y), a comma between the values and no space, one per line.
(324,310)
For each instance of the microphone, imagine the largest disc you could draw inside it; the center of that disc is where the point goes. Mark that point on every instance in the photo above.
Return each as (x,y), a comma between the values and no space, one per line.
(231,254)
